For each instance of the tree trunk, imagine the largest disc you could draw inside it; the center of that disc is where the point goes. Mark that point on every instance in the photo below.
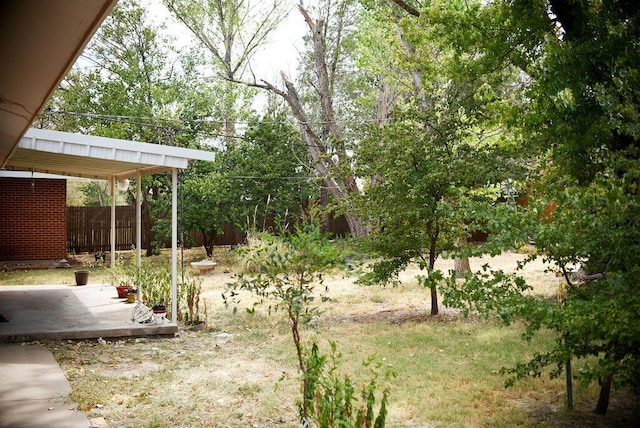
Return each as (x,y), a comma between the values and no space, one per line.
(462,266)
(355,224)
(434,300)
(603,399)
(433,247)
(324,141)
(208,242)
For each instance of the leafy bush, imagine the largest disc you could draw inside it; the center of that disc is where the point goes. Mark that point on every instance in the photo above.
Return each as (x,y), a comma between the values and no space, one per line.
(331,399)
(288,269)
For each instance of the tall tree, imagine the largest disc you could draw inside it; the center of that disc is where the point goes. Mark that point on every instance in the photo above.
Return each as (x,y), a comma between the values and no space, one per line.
(271,172)
(260,178)
(433,151)
(232,31)
(579,111)
(316,113)
(323,133)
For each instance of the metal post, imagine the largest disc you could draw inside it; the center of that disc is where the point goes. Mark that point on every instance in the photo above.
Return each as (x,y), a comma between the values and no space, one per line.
(112,235)
(139,219)
(174,245)
(181,190)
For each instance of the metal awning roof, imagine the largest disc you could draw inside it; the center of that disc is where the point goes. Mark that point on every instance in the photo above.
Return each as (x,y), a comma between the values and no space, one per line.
(65,153)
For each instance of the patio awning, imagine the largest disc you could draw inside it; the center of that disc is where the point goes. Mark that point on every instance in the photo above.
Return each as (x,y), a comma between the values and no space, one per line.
(78,155)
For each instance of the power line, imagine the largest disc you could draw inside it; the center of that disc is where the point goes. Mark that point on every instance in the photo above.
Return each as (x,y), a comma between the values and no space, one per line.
(136,119)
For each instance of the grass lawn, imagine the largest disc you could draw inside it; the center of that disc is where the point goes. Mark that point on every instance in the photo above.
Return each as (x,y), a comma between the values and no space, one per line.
(241,371)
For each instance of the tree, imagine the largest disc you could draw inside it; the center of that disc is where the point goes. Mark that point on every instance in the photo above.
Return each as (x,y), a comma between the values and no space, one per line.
(129,85)
(261,177)
(581,60)
(217,23)
(232,31)
(270,172)
(322,131)
(430,157)
(209,202)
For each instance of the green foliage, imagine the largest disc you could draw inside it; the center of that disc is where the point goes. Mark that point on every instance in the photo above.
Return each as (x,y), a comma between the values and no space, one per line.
(259,177)
(597,316)
(583,67)
(571,111)
(208,202)
(290,268)
(153,282)
(435,159)
(331,399)
(268,171)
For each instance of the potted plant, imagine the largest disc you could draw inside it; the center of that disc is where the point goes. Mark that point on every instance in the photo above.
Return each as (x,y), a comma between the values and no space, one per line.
(122,289)
(160,312)
(131,295)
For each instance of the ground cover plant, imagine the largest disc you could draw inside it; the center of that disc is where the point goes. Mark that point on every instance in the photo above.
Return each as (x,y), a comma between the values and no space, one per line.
(241,370)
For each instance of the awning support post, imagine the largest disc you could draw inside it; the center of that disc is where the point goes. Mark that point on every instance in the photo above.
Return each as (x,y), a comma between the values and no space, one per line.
(174,245)
(112,185)
(139,219)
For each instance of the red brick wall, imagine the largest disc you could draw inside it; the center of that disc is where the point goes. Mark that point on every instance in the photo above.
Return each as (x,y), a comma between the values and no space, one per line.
(33,219)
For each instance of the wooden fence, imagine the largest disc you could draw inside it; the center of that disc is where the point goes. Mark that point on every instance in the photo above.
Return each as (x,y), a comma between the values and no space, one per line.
(88,230)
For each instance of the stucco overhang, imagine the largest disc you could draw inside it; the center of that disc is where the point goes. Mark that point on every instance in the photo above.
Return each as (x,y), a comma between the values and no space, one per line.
(39,42)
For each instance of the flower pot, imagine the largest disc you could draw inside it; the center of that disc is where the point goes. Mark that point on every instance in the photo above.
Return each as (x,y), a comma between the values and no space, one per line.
(82,277)
(131,295)
(160,313)
(122,290)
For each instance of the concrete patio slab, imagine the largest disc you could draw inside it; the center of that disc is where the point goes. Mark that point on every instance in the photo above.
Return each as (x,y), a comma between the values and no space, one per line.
(70,312)
(34,389)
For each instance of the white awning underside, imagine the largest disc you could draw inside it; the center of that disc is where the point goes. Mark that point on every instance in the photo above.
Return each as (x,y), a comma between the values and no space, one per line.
(77,155)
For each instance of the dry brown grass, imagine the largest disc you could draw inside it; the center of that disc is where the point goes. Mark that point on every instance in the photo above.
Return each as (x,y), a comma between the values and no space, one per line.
(241,370)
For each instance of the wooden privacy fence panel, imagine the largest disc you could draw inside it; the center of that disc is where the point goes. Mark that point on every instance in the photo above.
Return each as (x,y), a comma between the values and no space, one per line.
(88,229)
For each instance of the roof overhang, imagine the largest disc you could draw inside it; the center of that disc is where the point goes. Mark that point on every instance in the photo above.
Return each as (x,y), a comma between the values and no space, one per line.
(39,42)
(78,155)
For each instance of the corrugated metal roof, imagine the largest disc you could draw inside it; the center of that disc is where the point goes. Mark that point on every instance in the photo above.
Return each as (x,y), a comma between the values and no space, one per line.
(65,153)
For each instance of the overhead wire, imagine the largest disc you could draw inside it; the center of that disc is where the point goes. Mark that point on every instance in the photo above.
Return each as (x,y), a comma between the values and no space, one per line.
(171,123)
(128,120)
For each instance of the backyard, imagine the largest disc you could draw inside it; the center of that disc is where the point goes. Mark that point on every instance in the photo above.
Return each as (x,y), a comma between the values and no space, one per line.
(241,370)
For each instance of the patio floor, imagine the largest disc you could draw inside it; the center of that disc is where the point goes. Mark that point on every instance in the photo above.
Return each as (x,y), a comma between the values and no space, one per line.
(73,312)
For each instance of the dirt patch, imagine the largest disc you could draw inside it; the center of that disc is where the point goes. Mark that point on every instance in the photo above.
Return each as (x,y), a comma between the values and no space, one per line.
(399,316)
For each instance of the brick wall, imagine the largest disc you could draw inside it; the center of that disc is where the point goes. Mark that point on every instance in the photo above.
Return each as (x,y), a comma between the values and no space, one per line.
(33,219)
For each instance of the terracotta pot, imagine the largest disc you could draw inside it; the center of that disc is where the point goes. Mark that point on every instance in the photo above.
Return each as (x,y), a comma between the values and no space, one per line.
(82,277)
(122,290)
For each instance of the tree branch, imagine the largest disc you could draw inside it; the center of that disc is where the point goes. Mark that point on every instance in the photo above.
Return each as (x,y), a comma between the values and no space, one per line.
(407,8)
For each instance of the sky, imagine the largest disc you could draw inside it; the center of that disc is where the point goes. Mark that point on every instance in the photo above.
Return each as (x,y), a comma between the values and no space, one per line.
(279,54)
